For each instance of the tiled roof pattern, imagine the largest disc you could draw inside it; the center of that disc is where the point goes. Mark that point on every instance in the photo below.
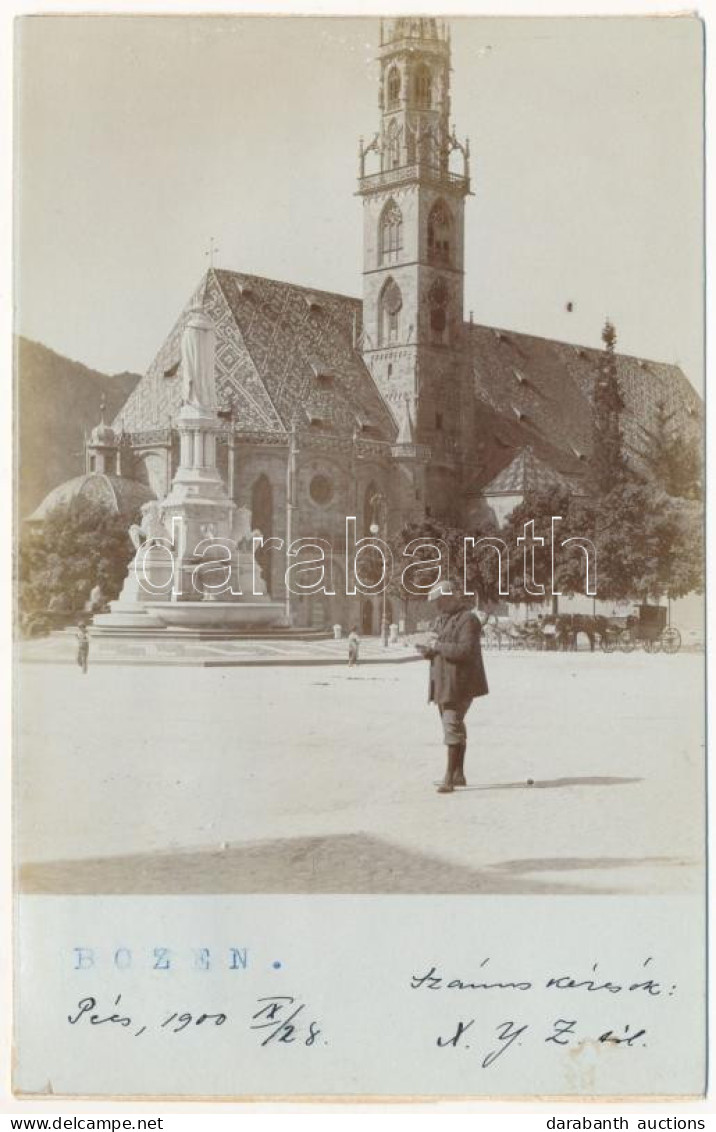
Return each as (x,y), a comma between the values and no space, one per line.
(293,334)
(276,346)
(286,353)
(527,473)
(157,398)
(540,394)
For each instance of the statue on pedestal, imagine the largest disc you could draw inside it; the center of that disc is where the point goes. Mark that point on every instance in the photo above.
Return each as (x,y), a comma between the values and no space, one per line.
(197,362)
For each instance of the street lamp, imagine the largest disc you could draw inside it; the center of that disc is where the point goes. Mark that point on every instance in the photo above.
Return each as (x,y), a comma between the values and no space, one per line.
(378,505)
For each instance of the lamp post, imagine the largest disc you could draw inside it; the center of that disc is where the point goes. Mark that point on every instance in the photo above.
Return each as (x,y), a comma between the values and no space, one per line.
(378,506)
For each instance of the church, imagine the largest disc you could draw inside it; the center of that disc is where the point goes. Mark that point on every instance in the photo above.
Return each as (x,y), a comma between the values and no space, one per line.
(390,407)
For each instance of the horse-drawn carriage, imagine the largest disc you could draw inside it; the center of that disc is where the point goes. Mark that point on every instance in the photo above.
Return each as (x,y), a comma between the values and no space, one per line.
(648,630)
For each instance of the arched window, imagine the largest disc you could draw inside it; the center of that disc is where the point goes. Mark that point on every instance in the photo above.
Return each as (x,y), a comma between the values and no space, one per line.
(422,87)
(262,519)
(393,87)
(439,230)
(393,145)
(391,233)
(438,302)
(391,304)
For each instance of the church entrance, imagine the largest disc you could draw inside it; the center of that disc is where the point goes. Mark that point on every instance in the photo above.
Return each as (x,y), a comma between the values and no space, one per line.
(366,619)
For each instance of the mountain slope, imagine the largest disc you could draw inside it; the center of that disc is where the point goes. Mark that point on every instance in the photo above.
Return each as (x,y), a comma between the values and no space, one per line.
(57,401)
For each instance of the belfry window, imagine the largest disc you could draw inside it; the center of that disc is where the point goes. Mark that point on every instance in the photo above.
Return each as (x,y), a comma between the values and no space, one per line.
(391,305)
(439,226)
(438,303)
(423,87)
(393,87)
(391,233)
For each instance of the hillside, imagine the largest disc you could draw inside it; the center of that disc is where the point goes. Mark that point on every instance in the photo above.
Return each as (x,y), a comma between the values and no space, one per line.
(57,401)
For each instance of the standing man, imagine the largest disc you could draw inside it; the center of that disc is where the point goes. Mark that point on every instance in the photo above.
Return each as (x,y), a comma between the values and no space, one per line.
(457,674)
(82,646)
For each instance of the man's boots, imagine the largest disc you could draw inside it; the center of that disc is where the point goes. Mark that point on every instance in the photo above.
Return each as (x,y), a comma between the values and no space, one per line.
(458,778)
(446,786)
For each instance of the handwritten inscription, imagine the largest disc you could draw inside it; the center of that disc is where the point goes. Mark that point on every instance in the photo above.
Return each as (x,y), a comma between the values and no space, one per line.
(88,1014)
(592,983)
(281,1019)
(494,1043)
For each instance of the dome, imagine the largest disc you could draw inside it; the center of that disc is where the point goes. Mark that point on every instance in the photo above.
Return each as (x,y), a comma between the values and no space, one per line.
(118,493)
(103,434)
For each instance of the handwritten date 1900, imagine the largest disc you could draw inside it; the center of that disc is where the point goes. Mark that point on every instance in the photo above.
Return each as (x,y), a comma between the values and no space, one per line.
(174,1023)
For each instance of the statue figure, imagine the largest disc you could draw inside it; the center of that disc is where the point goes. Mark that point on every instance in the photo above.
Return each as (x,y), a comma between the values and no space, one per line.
(197,361)
(251,574)
(242,530)
(151,527)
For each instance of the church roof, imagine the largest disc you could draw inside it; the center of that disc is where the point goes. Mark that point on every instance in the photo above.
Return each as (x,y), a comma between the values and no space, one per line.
(283,353)
(118,493)
(537,393)
(286,353)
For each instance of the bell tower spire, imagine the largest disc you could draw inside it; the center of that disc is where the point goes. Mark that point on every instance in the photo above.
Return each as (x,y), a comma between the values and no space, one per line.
(413,210)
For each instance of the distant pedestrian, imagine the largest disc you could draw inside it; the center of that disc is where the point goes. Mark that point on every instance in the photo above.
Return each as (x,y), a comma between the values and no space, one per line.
(353,646)
(457,675)
(82,646)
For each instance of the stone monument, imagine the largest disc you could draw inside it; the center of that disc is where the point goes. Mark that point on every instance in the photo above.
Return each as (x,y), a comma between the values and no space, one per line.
(195,567)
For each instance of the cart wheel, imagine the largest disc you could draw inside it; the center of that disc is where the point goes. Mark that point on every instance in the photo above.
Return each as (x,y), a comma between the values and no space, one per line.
(671,640)
(652,644)
(608,641)
(626,641)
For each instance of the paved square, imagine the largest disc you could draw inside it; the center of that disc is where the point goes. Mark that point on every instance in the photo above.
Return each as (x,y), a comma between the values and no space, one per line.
(322,779)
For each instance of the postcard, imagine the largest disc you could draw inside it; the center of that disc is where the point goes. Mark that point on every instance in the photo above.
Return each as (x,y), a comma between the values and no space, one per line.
(359,678)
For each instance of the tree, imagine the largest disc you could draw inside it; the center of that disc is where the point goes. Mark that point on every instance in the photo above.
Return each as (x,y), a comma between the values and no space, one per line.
(673,460)
(474,572)
(649,544)
(541,514)
(78,546)
(607,451)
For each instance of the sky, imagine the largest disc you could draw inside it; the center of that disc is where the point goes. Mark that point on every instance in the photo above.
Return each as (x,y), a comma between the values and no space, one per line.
(140,138)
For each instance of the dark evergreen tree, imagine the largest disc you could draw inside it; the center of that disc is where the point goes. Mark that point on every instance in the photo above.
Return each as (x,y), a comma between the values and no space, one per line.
(673,460)
(607,450)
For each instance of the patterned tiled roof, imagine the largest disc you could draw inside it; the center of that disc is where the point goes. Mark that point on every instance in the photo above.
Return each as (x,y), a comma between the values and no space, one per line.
(536,392)
(527,473)
(283,352)
(286,353)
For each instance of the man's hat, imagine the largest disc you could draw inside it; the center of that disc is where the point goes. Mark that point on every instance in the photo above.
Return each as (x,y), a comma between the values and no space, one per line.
(441,589)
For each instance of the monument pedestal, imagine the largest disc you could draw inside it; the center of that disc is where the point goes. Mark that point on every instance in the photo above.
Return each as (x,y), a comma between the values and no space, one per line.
(196,570)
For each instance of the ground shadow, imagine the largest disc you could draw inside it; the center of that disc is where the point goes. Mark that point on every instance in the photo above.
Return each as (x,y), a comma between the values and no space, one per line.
(353,863)
(558,783)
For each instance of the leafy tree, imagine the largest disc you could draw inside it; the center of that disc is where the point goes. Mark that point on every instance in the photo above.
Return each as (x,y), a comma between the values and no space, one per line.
(574,519)
(78,546)
(649,544)
(474,572)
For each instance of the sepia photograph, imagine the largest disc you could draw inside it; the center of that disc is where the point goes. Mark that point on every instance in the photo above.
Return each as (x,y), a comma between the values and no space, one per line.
(359,469)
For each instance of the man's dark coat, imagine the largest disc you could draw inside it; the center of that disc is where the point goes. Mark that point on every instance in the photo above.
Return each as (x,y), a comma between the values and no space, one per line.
(457,674)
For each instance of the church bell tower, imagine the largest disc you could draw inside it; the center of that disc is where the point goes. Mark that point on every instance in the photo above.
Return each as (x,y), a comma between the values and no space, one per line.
(413,208)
